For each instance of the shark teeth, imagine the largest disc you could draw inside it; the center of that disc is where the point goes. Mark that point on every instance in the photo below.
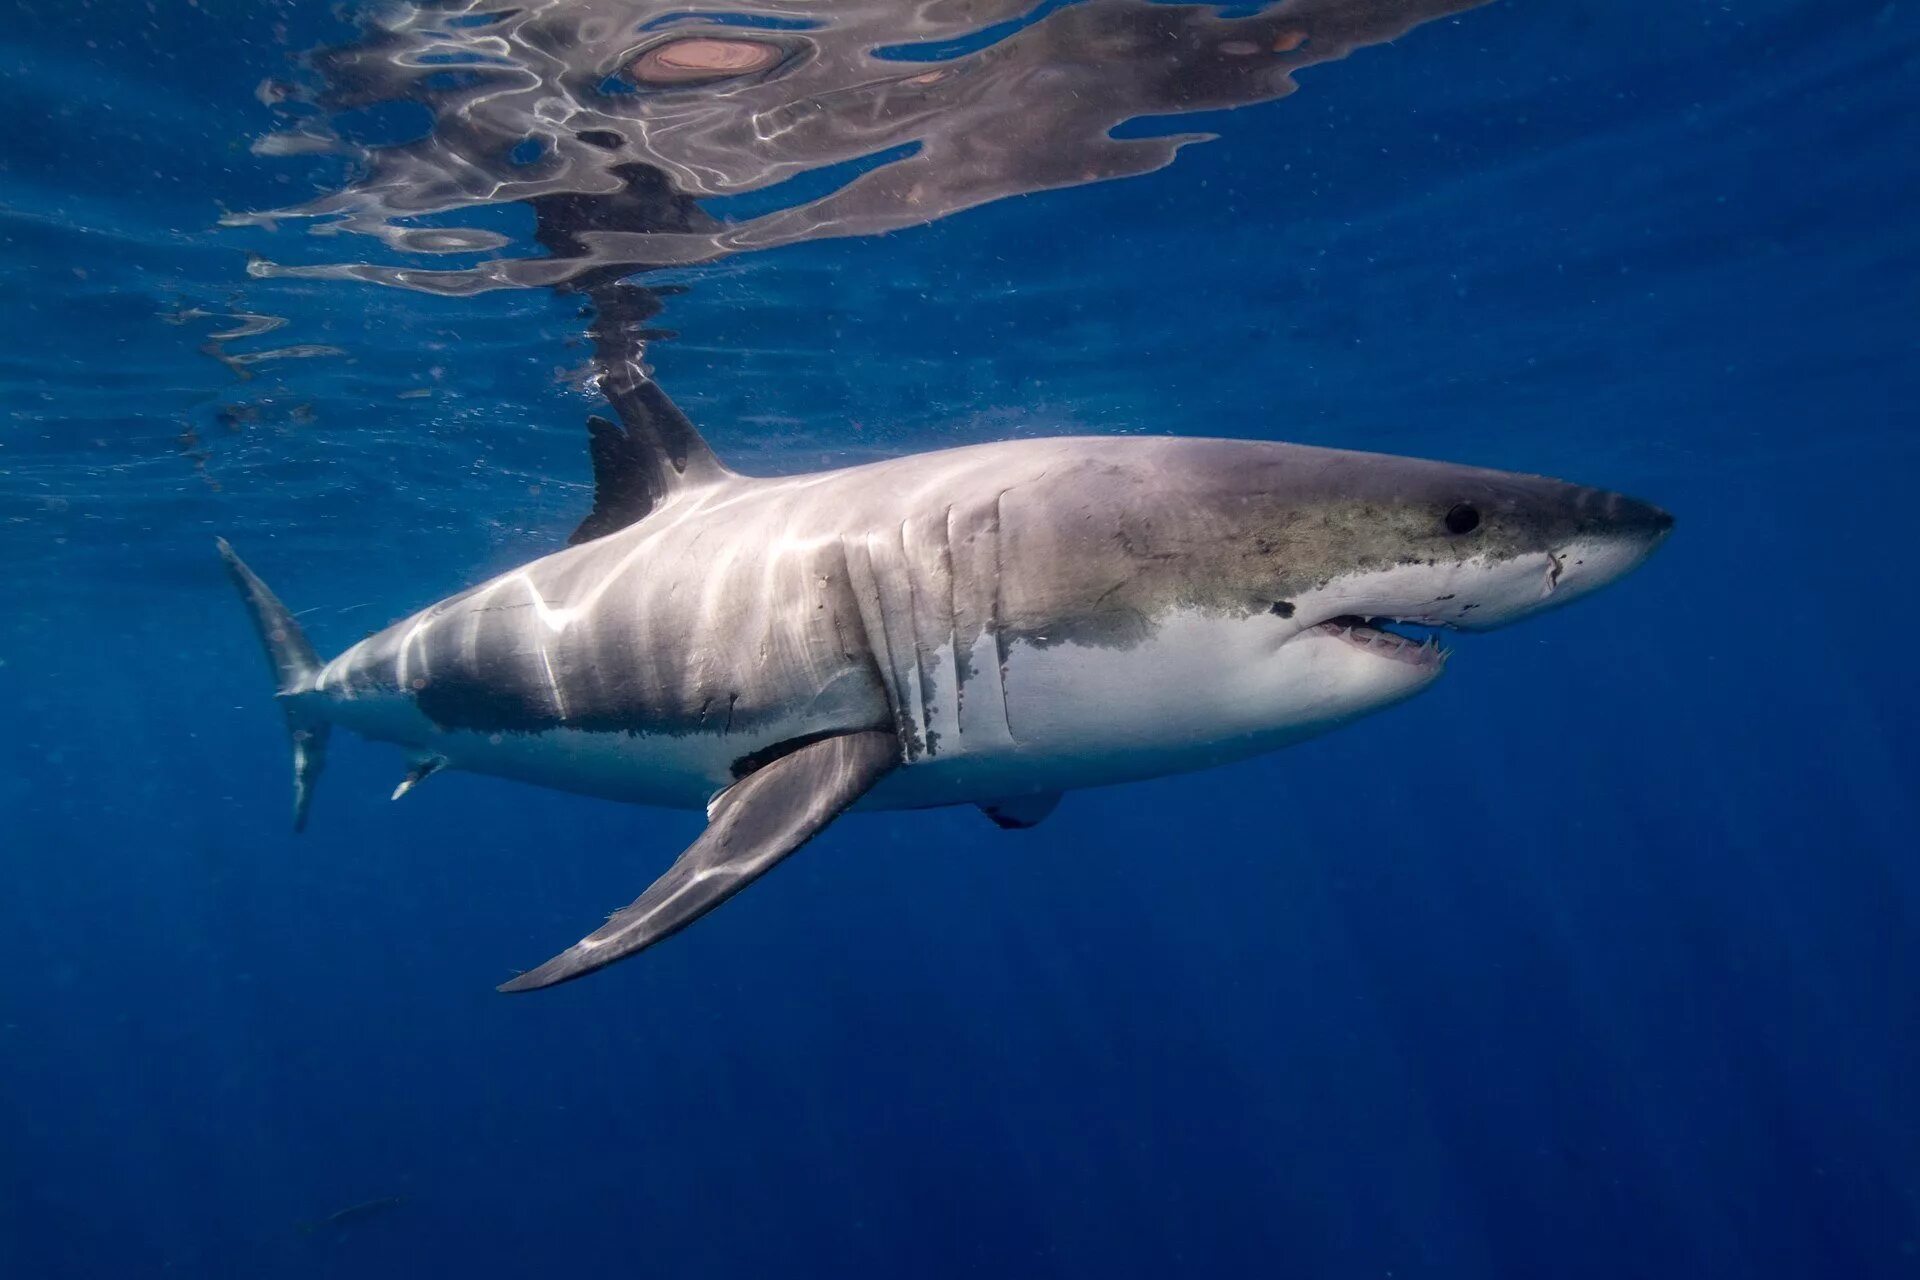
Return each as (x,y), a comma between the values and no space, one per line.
(1371,634)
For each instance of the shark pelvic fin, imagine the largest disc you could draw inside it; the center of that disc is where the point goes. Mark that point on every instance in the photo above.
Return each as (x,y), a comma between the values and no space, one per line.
(419,773)
(295,667)
(1021,811)
(755,823)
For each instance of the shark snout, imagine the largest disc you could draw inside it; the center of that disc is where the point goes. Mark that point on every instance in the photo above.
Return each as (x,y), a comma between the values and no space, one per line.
(1606,549)
(1632,518)
(1591,537)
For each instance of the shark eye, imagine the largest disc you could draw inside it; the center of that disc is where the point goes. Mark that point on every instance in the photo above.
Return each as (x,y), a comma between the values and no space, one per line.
(1464,518)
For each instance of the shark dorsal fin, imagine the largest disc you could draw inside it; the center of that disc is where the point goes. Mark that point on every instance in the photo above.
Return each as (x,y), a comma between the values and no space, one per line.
(653,451)
(639,464)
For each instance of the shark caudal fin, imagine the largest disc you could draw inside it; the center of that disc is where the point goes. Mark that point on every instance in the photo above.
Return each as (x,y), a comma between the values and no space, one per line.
(295,665)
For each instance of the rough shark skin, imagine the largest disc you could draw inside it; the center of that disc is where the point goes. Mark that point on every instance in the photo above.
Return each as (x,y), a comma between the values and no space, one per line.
(1013,620)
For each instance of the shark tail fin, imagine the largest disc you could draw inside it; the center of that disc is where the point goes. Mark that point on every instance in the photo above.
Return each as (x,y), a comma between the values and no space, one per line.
(295,668)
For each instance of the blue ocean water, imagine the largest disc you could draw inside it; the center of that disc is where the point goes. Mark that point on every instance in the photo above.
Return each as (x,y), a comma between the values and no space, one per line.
(1601,958)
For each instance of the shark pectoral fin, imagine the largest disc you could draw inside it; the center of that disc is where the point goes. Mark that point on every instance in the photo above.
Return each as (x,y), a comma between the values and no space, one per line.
(754,824)
(1021,811)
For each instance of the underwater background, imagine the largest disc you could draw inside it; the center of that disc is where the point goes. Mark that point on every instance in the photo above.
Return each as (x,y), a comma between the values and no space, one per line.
(1601,958)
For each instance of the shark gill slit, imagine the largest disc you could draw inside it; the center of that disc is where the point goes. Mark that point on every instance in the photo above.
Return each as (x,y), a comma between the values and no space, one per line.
(953,625)
(931,569)
(865,590)
(893,582)
(997,620)
(922,677)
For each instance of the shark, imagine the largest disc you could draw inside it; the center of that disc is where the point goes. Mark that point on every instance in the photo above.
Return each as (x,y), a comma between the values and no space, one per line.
(993,625)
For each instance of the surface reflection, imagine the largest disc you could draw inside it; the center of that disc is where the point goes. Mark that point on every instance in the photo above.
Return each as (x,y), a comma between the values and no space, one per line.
(615,120)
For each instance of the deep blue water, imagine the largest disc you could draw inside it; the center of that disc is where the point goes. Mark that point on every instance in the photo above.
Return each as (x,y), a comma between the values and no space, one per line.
(1601,958)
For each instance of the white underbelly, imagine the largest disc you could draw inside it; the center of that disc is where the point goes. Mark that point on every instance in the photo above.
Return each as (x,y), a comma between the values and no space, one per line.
(681,771)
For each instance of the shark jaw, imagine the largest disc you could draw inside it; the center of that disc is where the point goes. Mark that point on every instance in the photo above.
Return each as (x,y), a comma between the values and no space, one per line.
(1378,636)
(1390,618)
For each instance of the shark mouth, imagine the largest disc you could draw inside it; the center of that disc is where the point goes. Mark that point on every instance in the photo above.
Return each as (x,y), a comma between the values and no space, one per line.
(1374,635)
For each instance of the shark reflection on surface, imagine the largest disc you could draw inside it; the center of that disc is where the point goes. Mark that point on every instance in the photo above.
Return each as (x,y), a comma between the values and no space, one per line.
(613,118)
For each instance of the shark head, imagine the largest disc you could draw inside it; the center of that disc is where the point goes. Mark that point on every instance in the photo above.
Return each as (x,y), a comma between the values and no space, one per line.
(1176,603)
(1365,548)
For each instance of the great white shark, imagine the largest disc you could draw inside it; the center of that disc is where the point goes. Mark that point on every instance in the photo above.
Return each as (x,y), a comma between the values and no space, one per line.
(991,625)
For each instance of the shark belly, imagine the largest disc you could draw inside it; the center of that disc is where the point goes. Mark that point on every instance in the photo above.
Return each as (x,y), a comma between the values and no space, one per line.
(672,770)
